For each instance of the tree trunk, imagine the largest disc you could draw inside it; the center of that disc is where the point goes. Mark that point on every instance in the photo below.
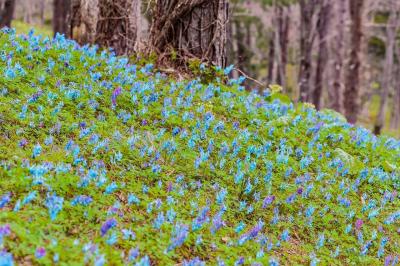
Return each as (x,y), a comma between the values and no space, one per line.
(391,30)
(7,13)
(322,29)
(271,59)
(307,11)
(241,49)
(191,28)
(108,23)
(61,16)
(283,21)
(42,6)
(27,11)
(395,117)
(335,93)
(353,76)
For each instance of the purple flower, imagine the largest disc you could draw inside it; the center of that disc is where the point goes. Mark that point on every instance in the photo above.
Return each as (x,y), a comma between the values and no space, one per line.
(179,236)
(133,254)
(107,225)
(300,190)
(359,224)
(268,201)
(240,261)
(5,230)
(252,233)
(114,96)
(217,223)
(23,143)
(40,252)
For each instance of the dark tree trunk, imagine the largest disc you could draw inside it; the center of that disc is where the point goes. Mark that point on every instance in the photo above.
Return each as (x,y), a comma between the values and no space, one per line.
(108,23)
(191,28)
(118,25)
(352,80)
(283,36)
(271,60)
(61,16)
(7,13)
(307,11)
(395,117)
(322,29)
(335,92)
(85,15)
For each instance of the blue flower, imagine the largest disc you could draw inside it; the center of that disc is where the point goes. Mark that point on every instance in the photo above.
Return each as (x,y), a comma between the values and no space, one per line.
(5,199)
(54,204)
(6,259)
(36,150)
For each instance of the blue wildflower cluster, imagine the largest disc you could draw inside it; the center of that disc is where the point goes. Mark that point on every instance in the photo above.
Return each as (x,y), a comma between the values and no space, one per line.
(107,162)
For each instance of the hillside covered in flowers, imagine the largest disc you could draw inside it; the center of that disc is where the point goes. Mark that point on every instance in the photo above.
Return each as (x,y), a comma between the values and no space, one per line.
(104,162)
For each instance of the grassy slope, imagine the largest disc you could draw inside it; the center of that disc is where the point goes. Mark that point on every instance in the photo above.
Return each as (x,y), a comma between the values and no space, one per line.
(190,169)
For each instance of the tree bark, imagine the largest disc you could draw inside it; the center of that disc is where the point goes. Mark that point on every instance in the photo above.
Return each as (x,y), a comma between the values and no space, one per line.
(191,28)
(322,29)
(271,59)
(27,11)
(391,30)
(352,80)
(119,25)
(307,11)
(335,92)
(395,117)
(108,23)
(61,16)
(42,6)
(282,26)
(7,13)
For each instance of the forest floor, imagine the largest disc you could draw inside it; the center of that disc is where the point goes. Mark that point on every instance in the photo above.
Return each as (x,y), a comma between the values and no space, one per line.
(110,162)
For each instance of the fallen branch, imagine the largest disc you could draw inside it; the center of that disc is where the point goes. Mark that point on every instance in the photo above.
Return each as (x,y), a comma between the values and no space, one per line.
(250,78)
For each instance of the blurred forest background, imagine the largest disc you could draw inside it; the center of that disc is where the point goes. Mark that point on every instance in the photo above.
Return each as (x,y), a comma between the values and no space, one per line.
(338,54)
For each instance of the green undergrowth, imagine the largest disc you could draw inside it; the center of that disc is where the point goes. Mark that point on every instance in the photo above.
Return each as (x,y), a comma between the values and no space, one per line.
(106,162)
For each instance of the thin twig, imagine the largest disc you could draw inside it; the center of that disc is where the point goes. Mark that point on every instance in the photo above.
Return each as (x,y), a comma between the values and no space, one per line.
(250,78)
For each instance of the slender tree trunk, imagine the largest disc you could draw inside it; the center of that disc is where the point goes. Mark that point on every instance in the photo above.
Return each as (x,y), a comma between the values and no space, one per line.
(395,117)
(27,11)
(241,49)
(7,13)
(42,6)
(271,59)
(282,44)
(352,80)
(391,30)
(233,46)
(307,11)
(322,29)
(61,16)
(191,28)
(335,93)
